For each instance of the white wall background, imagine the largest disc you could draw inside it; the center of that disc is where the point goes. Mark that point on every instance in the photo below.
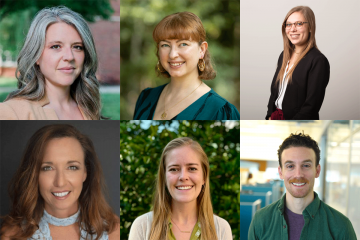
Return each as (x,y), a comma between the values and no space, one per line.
(337,37)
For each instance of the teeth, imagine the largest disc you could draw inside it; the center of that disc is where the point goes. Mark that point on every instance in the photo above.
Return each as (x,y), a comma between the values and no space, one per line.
(61,194)
(184,188)
(298,184)
(175,64)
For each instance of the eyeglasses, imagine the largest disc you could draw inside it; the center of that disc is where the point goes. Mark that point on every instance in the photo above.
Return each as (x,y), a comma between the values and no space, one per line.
(296,24)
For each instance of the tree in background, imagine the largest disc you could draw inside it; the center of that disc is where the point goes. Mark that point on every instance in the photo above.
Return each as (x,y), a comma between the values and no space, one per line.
(221,19)
(140,151)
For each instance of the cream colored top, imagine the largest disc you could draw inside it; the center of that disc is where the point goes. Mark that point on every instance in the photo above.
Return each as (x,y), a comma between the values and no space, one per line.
(140,228)
(22,109)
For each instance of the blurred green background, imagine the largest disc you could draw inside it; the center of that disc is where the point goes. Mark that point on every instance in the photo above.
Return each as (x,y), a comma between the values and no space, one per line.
(221,19)
(141,145)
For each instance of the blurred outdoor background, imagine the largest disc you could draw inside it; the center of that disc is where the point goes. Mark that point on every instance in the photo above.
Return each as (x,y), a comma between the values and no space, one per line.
(103,17)
(221,19)
(141,145)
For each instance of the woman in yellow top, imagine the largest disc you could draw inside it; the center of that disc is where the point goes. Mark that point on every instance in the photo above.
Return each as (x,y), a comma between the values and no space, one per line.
(182,207)
(56,70)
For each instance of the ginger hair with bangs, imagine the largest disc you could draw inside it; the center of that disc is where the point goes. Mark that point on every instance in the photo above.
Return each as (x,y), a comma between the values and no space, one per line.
(27,208)
(183,25)
(289,48)
(162,198)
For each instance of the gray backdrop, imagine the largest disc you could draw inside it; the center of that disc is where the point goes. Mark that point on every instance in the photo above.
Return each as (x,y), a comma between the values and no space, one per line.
(104,134)
(337,37)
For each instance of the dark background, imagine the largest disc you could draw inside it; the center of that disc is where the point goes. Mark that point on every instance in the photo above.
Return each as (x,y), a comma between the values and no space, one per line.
(105,136)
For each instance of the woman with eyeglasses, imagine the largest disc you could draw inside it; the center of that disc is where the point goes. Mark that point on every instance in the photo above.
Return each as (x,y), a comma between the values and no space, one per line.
(303,72)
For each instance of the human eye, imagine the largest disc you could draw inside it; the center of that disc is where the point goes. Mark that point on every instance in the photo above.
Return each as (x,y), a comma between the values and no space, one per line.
(164,45)
(46,168)
(79,47)
(193,169)
(184,44)
(299,24)
(288,24)
(172,170)
(74,168)
(55,46)
(289,166)
(307,165)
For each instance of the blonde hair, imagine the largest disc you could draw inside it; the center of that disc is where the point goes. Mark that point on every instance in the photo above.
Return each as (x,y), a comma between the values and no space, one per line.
(162,198)
(31,81)
(183,25)
(289,47)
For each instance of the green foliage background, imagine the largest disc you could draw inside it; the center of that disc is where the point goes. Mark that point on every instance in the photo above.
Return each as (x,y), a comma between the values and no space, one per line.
(140,151)
(138,18)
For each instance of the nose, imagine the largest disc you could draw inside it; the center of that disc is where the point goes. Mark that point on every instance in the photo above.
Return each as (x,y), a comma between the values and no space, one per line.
(68,54)
(173,53)
(292,27)
(298,172)
(183,175)
(59,180)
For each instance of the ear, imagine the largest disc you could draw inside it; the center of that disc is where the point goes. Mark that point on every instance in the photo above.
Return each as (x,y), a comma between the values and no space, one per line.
(203,47)
(318,168)
(280,172)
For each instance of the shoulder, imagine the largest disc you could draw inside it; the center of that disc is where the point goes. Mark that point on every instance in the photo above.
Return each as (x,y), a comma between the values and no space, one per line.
(115,234)
(12,108)
(315,55)
(141,226)
(335,216)
(153,91)
(262,215)
(222,108)
(222,227)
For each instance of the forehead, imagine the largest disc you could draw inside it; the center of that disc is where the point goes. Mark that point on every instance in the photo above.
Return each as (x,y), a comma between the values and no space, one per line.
(296,16)
(61,31)
(63,149)
(182,156)
(298,155)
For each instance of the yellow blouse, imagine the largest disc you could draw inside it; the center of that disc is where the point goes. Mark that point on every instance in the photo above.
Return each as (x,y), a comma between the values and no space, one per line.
(195,235)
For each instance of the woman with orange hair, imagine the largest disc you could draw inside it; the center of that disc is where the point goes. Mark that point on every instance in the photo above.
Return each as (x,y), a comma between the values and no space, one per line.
(303,72)
(56,192)
(183,56)
(182,207)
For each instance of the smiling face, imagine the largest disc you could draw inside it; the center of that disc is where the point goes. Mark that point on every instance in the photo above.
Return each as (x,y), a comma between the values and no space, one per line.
(184,175)
(62,59)
(299,171)
(180,57)
(62,175)
(297,36)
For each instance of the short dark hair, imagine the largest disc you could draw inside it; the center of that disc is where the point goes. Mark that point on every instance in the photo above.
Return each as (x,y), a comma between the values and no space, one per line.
(299,140)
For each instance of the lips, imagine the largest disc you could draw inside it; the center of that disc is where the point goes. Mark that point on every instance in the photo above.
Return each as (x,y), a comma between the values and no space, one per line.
(60,194)
(188,187)
(66,68)
(176,64)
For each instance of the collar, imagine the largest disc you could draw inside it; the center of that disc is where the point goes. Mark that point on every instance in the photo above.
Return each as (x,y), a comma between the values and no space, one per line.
(310,210)
(61,221)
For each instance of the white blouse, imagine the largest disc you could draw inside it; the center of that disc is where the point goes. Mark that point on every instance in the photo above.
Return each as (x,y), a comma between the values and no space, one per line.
(282,87)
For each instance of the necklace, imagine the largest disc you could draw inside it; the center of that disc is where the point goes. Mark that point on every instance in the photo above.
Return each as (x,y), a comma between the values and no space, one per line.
(179,228)
(164,115)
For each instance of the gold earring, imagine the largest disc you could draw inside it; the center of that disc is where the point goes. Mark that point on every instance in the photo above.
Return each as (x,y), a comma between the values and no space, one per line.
(160,68)
(201,64)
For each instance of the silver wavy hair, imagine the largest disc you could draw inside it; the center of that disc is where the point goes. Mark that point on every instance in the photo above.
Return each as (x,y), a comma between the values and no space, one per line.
(31,81)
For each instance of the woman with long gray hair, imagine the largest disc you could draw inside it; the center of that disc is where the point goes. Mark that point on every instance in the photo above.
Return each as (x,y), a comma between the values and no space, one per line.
(56,70)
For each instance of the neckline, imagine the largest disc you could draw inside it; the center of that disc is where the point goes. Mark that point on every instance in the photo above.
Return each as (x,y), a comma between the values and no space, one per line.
(157,100)
(61,221)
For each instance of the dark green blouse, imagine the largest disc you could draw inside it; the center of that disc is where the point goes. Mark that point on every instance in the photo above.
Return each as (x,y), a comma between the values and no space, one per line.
(210,106)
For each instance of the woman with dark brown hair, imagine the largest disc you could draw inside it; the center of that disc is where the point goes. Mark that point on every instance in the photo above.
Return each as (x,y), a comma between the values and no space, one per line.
(57,191)
(303,72)
(183,56)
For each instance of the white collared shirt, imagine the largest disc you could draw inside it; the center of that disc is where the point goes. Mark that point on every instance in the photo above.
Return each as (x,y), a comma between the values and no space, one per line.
(282,87)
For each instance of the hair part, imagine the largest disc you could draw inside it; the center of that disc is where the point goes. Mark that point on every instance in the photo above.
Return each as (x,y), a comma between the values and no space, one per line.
(289,48)
(299,140)
(27,202)
(162,198)
(183,25)
(31,81)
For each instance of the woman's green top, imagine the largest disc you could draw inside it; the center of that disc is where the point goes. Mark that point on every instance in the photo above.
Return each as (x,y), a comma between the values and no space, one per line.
(210,106)
(195,235)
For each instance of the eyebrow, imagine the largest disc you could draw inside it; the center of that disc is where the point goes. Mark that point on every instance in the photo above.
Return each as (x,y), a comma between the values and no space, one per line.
(177,165)
(176,41)
(305,161)
(69,162)
(53,42)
